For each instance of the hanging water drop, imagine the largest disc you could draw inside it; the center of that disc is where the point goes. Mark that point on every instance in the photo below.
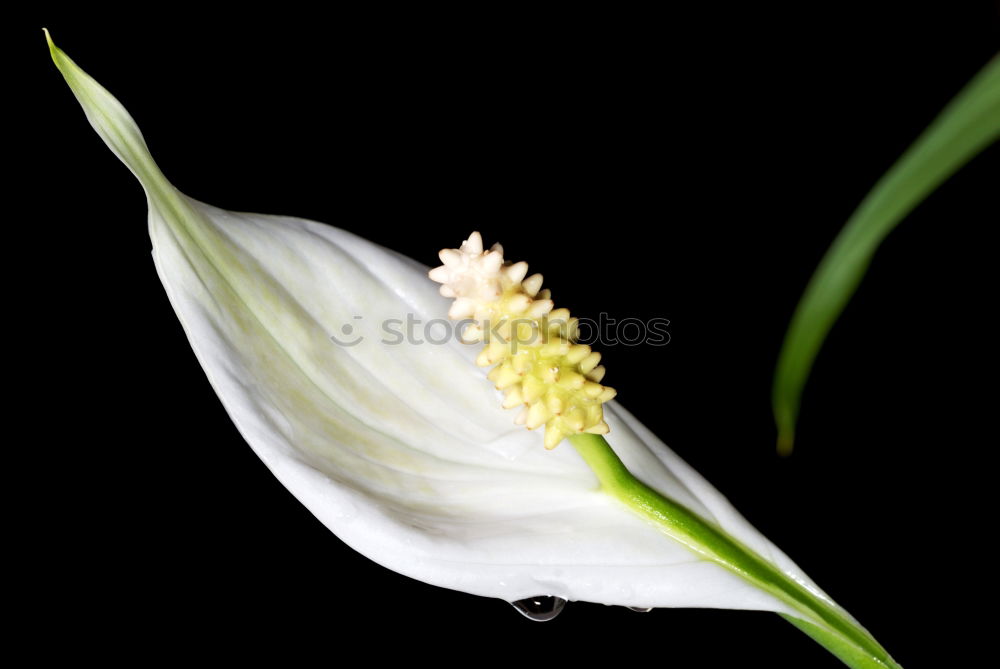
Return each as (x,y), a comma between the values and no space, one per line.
(640,609)
(540,608)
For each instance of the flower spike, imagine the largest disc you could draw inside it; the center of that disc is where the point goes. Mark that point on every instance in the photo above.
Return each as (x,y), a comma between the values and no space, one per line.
(537,362)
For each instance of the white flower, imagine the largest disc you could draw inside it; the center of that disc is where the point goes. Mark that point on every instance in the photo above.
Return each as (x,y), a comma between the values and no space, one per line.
(403,450)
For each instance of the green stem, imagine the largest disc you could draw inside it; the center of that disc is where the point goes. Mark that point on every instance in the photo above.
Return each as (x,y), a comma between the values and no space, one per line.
(820,619)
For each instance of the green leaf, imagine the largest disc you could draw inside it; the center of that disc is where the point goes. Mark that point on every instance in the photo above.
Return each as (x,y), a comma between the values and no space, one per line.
(969,124)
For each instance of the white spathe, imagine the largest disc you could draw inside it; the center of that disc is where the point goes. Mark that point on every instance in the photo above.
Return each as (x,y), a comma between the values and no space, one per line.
(402,449)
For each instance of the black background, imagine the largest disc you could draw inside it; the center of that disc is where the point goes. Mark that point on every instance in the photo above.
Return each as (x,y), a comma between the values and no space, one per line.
(700,162)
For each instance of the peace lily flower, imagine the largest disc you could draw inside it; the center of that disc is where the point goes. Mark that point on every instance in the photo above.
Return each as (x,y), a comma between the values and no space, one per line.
(403,450)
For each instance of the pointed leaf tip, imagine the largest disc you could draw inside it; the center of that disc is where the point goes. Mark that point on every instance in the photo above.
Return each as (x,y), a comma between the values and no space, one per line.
(786,442)
(48,38)
(55,52)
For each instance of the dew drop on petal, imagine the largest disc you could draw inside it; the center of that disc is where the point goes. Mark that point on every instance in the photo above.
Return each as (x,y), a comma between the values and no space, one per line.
(540,608)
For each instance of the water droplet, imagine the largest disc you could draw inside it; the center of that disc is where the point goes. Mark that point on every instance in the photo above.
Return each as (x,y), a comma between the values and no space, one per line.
(640,609)
(540,608)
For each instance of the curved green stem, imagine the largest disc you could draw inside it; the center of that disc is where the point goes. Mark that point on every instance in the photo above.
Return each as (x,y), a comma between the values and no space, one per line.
(821,619)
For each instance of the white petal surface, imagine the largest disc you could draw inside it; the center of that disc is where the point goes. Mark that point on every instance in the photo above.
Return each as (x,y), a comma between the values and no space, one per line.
(402,448)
